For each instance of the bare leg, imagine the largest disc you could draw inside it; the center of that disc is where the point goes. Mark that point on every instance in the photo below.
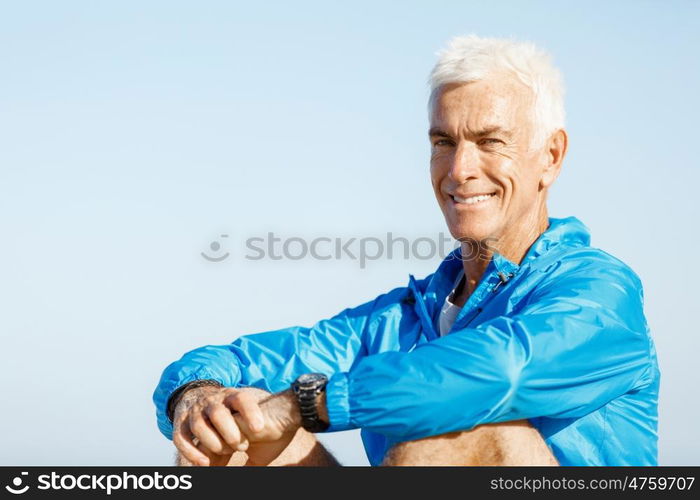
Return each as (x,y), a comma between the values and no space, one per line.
(304,450)
(507,443)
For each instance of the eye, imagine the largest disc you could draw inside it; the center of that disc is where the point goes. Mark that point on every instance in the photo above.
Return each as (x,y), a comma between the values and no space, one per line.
(442,142)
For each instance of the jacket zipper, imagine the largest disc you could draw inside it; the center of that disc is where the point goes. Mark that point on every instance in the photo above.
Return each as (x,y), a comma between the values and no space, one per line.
(477,311)
(502,279)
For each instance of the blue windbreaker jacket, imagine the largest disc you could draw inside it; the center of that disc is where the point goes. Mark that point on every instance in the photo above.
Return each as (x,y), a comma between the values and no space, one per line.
(560,339)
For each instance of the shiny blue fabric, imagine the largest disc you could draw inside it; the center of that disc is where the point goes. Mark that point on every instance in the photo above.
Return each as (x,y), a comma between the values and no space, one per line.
(560,339)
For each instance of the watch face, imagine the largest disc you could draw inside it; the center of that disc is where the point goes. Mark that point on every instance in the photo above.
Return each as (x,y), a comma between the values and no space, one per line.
(310,378)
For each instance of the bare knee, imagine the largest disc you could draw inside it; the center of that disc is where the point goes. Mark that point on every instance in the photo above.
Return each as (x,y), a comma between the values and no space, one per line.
(507,443)
(303,450)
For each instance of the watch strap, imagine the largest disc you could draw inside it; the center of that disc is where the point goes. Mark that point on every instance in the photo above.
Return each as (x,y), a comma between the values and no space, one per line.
(307,398)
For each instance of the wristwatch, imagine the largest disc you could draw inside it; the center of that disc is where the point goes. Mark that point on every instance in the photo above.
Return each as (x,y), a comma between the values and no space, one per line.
(307,388)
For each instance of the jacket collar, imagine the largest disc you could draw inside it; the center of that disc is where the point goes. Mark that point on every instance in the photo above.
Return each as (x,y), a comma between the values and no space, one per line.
(568,231)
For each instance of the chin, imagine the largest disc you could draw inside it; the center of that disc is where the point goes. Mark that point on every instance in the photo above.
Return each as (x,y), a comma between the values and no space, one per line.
(475,231)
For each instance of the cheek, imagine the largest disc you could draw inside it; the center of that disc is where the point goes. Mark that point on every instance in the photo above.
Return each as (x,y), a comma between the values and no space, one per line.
(516,179)
(507,176)
(434,179)
(438,160)
(438,170)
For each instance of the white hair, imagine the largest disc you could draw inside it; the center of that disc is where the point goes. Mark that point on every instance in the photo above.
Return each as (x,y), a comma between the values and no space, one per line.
(471,58)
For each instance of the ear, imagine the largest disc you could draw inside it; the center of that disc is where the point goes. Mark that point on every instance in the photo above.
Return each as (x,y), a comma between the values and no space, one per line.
(555,152)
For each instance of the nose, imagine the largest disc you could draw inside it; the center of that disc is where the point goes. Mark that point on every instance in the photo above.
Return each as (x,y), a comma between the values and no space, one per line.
(465,163)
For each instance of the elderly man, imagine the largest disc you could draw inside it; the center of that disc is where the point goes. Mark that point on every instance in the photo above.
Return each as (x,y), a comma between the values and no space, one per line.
(526,346)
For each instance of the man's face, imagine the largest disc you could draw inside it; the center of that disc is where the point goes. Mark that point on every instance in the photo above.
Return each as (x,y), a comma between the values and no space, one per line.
(480,135)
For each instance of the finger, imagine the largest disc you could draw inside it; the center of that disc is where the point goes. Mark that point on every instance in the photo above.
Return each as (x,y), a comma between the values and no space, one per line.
(207,435)
(182,439)
(221,418)
(247,405)
(214,459)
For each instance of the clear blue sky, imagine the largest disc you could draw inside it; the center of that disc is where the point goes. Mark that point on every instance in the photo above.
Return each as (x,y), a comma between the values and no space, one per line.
(133,134)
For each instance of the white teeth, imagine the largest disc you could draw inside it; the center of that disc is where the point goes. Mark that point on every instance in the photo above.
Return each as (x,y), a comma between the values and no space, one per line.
(473,199)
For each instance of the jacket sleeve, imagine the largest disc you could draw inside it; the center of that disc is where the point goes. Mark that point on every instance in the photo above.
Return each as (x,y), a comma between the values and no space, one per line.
(580,341)
(272,360)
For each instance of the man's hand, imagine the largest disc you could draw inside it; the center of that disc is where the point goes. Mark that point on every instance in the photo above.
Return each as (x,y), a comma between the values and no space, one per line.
(205,431)
(281,418)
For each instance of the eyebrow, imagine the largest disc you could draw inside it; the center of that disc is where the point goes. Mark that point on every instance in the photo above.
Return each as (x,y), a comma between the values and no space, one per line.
(495,129)
(437,132)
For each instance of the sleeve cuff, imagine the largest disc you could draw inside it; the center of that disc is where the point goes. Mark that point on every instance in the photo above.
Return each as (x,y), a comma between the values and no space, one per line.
(162,395)
(338,403)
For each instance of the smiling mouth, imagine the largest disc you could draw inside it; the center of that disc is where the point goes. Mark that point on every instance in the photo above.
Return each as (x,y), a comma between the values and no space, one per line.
(472,200)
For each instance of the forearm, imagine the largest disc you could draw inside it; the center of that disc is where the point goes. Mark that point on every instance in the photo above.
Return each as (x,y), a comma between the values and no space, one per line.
(509,370)
(262,360)
(283,406)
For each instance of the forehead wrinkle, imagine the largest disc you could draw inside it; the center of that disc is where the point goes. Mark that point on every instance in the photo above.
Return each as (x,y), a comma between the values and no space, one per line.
(479,132)
(491,130)
(500,106)
(437,131)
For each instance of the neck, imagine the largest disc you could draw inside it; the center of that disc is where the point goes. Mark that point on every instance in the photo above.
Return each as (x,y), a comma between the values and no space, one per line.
(513,245)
